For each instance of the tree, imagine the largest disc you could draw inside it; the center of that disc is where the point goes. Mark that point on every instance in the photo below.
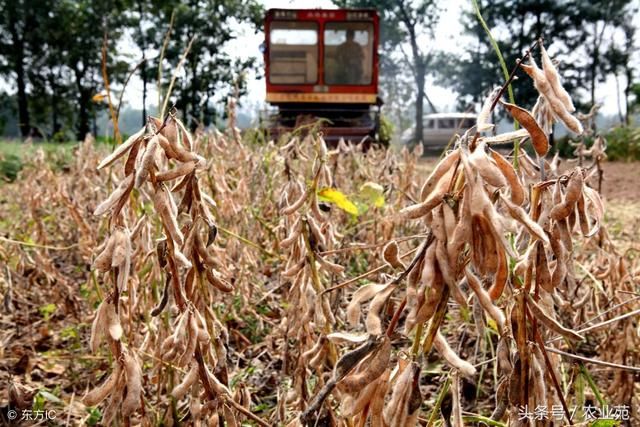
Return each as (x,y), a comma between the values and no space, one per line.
(17,23)
(574,31)
(210,72)
(404,24)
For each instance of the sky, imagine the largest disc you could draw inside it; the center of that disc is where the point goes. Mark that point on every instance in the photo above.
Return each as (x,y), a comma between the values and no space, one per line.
(447,38)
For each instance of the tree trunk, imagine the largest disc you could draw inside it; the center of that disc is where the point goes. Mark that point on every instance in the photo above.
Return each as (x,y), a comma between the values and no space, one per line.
(18,63)
(594,65)
(143,67)
(143,70)
(420,79)
(627,92)
(83,115)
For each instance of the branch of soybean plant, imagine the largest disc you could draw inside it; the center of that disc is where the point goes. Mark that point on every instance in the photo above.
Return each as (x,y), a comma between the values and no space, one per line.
(366,274)
(552,373)
(594,361)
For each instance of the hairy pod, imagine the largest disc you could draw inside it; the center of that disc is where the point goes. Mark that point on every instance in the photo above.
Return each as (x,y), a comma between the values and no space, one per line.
(485,300)
(553,78)
(390,255)
(147,163)
(483,123)
(123,148)
(215,279)
(373,322)
(114,197)
(441,344)
(551,323)
(574,190)
(132,399)
(485,166)
(181,170)
(443,167)
(163,205)
(509,173)
(102,262)
(374,367)
(524,117)
(448,274)
(182,389)
(98,394)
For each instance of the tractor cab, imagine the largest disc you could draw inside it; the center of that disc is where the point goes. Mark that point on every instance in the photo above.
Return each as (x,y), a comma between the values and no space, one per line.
(322,65)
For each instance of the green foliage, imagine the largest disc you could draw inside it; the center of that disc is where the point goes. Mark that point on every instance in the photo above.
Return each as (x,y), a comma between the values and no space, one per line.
(10,166)
(386,129)
(573,33)
(623,143)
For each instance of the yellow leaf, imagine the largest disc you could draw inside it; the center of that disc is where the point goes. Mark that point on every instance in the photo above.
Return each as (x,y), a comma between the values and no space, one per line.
(334,196)
(99,97)
(372,194)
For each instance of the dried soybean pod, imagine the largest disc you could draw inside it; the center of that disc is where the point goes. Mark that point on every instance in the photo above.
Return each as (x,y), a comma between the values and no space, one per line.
(181,170)
(98,327)
(122,149)
(486,167)
(295,205)
(423,208)
(516,388)
(550,323)
(441,344)
(214,278)
(112,320)
(524,117)
(375,366)
(543,276)
(537,371)
(448,276)
(502,400)
(377,402)
(544,87)
(132,399)
(484,299)
(364,293)
(553,78)
(182,389)
(390,255)
(101,392)
(503,356)
(315,349)
(483,121)
(147,163)
(114,197)
(102,263)
(373,322)
(363,398)
(517,213)
(162,203)
(574,190)
(517,191)
(583,218)
(501,276)
(443,166)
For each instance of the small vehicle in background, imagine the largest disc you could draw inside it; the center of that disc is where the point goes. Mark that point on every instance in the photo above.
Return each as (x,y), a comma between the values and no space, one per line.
(438,129)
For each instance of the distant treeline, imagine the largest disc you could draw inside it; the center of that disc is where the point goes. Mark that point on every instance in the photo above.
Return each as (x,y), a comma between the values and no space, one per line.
(51,59)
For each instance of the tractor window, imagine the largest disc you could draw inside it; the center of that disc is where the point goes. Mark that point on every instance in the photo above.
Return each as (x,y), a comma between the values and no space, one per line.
(348,53)
(293,53)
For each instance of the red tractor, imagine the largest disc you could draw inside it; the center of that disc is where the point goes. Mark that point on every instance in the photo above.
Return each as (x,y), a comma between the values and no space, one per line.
(322,65)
